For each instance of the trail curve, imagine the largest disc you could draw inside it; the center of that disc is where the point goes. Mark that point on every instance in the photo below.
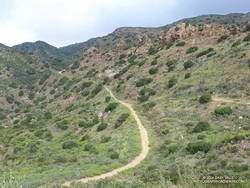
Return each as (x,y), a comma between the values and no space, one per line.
(136,161)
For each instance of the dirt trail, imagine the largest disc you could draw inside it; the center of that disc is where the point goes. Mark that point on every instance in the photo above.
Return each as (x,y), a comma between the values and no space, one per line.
(227,100)
(136,161)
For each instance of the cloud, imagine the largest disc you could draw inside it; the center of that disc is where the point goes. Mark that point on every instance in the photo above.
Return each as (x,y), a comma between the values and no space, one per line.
(62,22)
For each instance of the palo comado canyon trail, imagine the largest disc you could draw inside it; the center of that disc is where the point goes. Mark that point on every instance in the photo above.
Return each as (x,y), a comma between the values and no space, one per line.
(134,162)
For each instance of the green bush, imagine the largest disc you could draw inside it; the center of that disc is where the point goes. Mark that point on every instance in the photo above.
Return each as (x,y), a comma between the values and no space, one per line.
(48,115)
(232,148)
(86,84)
(60,159)
(88,147)
(122,56)
(154,62)
(31,95)
(114,155)
(237,43)
(63,127)
(39,133)
(21,93)
(32,148)
(171,62)
(85,93)
(121,119)
(247,38)
(235,138)
(172,82)
(187,75)
(129,76)
(141,63)
(205,52)
(111,107)
(153,71)
(147,91)
(181,44)
(106,139)
(31,71)
(223,111)
(152,51)
(2,116)
(10,99)
(63,124)
(172,148)
(96,90)
(201,126)
(247,28)
(239,167)
(107,99)
(192,49)
(106,80)
(194,147)
(75,65)
(222,38)
(143,98)
(143,81)
(86,124)
(169,45)
(101,127)
(52,92)
(69,145)
(13,85)
(44,78)
(188,64)
(205,98)
(62,81)
(85,137)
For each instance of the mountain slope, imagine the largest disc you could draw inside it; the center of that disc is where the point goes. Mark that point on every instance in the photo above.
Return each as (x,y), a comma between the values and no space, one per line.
(50,55)
(70,128)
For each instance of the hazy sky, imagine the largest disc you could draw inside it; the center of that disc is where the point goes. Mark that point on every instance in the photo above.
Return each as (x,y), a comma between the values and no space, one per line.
(63,22)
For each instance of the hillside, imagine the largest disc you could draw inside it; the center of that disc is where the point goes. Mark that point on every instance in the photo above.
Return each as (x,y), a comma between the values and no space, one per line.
(49,55)
(188,82)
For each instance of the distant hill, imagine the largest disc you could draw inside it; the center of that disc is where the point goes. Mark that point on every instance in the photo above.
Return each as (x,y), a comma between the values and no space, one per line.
(48,53)
(234,18)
